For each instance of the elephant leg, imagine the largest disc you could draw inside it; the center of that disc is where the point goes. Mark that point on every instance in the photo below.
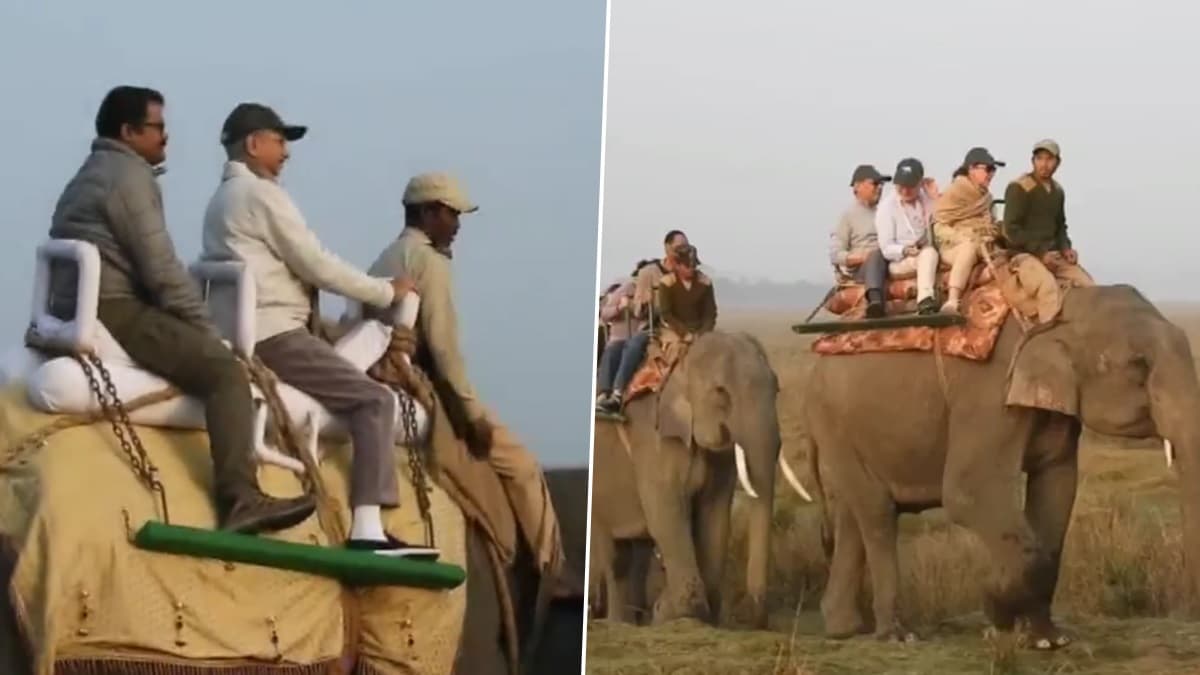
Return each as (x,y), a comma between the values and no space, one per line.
(669,520)
(1049,500)
(712,528)
(877,522)
(979,492)
(618,583)
(839,605)
(641,554)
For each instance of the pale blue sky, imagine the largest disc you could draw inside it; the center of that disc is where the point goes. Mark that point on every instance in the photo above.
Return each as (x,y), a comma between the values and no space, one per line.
(506,95)
(740,122)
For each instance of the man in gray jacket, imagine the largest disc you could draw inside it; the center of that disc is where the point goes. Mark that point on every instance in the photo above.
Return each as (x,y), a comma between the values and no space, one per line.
(152,306)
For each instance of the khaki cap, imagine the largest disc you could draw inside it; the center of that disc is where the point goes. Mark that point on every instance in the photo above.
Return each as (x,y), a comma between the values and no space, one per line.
(1049,146)
(438,187)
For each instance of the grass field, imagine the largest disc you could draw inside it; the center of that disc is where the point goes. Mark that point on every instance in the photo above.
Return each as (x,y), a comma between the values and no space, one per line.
(1121,594)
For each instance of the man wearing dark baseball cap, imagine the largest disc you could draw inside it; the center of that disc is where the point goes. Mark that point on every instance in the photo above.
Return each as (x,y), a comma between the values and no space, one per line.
(853,245)
(902,223)
(252,219)
(248,118)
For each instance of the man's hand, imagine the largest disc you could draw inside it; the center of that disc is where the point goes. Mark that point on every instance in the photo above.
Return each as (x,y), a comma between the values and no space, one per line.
(479,437)
(855,259)
(931,188)
(1071,256)
(622,303)
(401,286)
(911,251)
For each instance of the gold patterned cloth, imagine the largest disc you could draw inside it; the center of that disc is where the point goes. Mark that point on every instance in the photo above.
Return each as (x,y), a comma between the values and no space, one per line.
(88,600)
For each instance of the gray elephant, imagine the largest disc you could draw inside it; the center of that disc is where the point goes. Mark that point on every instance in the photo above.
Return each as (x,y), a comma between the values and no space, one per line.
(669,471)
(899,432)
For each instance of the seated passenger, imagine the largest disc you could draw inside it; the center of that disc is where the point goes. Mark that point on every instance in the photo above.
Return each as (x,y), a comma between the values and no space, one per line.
(633,352)
(251,218)
(686,299)
(902,223)
(617,313)
(152,307)
(650,275)
(963,220)
(854,243)
(1035,220)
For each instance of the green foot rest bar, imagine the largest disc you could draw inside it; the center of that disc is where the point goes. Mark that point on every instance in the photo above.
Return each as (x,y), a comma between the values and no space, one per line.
(355,568)
(612,417)
(902,321)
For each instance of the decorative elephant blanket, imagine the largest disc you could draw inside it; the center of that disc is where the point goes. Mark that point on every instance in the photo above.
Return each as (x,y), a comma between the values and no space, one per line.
(86,600)
(984,306)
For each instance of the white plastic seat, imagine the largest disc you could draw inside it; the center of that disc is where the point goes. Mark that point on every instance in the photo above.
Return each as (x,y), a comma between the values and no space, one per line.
(230,292)
(59,385)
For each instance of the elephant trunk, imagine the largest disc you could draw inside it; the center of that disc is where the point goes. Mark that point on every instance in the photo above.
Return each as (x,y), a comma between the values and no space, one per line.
(757,451)
(1174,407)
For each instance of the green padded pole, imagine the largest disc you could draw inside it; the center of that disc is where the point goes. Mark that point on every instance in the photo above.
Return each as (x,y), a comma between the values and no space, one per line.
(355,568)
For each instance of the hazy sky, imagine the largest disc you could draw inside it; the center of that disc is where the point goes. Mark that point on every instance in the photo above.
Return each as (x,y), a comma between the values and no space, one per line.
(741,122)
(506,95)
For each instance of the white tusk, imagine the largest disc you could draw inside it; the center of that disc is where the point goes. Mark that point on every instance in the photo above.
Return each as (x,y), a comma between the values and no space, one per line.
(743,478)
(791,478)
(1169,451)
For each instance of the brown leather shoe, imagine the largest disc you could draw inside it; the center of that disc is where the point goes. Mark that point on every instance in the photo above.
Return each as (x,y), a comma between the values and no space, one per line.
(257,512)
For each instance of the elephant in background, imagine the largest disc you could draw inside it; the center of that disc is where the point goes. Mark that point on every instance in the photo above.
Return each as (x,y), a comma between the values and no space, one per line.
(888,436)
(668,473)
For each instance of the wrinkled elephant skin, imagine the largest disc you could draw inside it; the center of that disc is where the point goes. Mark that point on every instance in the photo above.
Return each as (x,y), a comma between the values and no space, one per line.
(885,438)
(674,483)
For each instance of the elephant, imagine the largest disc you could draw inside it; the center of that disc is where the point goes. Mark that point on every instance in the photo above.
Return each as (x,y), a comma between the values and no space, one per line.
(668,472)
(893,433)
(556,646)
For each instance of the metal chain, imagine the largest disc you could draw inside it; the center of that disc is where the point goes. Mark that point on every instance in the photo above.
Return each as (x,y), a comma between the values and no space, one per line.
(408,416)
(142,466)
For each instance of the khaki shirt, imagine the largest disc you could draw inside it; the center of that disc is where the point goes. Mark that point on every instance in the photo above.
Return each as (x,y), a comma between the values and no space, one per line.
(413,255)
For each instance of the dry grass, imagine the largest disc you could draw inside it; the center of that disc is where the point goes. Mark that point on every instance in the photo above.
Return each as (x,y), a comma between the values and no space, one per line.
(1121,589)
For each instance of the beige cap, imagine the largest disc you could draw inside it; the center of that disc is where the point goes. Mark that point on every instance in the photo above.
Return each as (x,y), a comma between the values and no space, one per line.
(1049,146)
(438,187)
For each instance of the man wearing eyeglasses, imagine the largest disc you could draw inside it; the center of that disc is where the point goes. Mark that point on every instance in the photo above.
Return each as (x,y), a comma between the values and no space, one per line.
(1035,220)
(151,305)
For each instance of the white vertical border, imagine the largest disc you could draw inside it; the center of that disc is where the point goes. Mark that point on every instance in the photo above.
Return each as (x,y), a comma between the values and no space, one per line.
(587,573)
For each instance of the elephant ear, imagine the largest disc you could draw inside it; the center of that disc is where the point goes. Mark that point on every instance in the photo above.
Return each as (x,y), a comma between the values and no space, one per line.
(675,416)
(1043,377)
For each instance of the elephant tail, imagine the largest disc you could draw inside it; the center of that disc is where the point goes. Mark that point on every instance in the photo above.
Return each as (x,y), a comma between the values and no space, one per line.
(810,452)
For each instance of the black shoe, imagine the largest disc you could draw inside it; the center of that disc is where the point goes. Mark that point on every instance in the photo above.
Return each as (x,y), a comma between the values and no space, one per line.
(393,547)
(255,512)
(875,306)
(927,306)
(610,405)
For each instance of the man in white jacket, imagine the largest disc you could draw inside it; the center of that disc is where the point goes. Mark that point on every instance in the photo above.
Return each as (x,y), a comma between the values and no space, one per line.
(252,219)
(902,223)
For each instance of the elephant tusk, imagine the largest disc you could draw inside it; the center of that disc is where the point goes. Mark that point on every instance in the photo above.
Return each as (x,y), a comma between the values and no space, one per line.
(743,478)
(1169,451)
(792,480)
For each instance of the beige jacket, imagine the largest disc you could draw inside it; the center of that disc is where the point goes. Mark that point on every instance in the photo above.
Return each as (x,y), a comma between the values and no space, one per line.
(413,254)
(253,220)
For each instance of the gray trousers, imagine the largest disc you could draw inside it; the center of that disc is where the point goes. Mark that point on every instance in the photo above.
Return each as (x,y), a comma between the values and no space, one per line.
(367,408)
(873,273)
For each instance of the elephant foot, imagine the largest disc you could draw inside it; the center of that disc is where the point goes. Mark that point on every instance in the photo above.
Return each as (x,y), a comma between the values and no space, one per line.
(690,606)
(1001,614)
(1042,635)
(897,633)
(846,627)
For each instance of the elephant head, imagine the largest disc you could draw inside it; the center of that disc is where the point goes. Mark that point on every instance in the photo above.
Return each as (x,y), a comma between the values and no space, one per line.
(1120,367)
